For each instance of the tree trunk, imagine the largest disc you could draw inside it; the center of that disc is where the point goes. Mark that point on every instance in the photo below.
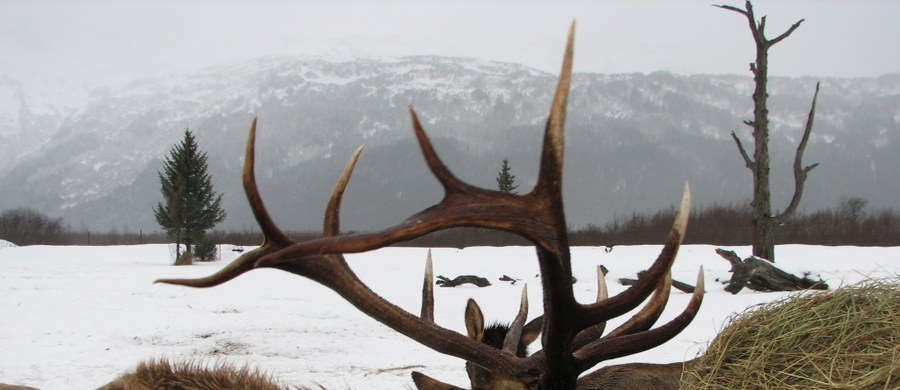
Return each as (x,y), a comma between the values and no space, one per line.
(764,236)
(185,259)
(763,226)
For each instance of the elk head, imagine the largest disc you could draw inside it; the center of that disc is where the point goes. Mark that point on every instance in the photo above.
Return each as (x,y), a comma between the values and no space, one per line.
(495,335)
(616,377)
(569,338)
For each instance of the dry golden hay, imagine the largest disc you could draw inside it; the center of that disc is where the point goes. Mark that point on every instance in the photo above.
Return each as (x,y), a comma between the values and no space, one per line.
(848,338)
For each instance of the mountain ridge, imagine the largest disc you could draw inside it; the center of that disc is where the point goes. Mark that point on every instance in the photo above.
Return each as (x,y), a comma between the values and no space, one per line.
(632,139)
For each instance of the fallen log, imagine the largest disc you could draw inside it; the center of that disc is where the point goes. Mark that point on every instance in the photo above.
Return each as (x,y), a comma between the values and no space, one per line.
(444,281)
(761,275)
(681,286)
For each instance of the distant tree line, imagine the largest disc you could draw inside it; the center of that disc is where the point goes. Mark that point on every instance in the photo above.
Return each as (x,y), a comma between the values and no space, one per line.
(25,226)
(847,224)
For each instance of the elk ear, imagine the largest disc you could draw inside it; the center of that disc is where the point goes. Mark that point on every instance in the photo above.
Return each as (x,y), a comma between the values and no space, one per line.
(474,321)
(532,330)
(425,382)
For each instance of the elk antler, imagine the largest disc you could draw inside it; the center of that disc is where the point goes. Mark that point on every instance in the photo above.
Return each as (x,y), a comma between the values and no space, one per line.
(537,216)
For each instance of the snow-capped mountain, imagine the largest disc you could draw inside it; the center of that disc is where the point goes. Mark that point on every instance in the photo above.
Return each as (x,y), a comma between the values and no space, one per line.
(632,139)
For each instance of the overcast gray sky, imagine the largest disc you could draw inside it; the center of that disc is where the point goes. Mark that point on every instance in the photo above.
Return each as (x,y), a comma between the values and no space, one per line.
(113,41)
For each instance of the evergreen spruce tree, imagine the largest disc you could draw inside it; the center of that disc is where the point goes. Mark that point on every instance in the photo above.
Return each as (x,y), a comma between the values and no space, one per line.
(506,181)
(190,206)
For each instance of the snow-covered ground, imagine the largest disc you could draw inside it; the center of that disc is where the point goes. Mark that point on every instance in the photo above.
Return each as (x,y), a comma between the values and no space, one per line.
(75,317)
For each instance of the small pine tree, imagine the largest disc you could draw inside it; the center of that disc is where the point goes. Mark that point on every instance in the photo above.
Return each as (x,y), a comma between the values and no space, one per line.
(190,206)
(205,250)
(506,181)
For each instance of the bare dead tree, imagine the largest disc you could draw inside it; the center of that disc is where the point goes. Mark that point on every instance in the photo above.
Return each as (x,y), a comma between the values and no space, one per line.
(570,342)
(764,223)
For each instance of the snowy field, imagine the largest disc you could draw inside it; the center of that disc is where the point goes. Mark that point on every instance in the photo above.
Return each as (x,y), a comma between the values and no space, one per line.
(75,317)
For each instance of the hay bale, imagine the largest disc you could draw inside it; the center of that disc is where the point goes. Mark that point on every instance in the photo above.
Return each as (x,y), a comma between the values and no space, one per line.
(848,338)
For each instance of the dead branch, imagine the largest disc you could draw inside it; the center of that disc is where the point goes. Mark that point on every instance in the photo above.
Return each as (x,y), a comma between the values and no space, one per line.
(444,281)
(760,275)
(681,286)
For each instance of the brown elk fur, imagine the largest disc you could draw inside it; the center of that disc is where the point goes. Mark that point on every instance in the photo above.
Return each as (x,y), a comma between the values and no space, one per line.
(635,376)
(4,386)
(161,374)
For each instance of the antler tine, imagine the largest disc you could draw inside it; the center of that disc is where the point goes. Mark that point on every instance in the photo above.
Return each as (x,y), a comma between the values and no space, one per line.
(634,295)
(647,316)
(273,238)
(594,332)
(552,155)
(425,382)
(602,291)
(428,291)
(438,168)
(270,230)
(609,348)
(332,223)
(514,335)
